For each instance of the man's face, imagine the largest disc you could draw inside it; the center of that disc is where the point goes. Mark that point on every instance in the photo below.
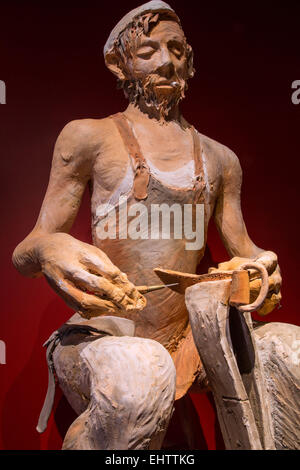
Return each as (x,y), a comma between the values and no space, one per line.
(162,54)
(159,64)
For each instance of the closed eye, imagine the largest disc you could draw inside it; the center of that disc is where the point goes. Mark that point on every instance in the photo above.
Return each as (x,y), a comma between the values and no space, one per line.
(145,52)
(176,48)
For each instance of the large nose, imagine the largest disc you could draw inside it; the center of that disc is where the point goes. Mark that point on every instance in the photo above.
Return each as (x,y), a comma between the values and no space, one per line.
(165,66)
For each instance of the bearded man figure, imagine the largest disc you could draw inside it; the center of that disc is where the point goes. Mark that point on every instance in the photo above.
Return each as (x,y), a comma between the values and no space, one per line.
(122,361)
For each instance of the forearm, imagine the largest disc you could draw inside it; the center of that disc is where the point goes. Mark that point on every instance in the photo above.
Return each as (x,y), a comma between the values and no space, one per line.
(234,235)
(232,229)
(240,246)
(236,240)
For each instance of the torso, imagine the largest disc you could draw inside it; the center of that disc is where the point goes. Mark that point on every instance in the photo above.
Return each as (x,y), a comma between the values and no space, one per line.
(165,317)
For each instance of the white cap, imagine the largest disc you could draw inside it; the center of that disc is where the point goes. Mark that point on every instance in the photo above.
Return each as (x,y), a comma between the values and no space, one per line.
(153,6)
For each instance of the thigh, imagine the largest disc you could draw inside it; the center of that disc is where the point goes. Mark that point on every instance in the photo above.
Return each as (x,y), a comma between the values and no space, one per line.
(130,369)
(128,372)
(72,371)
(132,391)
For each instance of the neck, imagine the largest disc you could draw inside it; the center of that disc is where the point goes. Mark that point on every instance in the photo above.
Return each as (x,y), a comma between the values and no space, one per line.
(141,109)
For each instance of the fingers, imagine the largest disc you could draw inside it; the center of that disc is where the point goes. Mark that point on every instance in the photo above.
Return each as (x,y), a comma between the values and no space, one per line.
(269,304)
(121,280)
(104,288)
(233,264)
(94,294)
(276,280)
(274,285)
(88,281)
(269,260)
(274,295)
(88,305)
(98,263)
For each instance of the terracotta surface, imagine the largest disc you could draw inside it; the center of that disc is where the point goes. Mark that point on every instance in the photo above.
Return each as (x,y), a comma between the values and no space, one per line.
(100,280)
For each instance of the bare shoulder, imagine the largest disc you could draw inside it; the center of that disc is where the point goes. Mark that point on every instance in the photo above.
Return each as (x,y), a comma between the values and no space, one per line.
(81,141)
(83,134)
(224,157)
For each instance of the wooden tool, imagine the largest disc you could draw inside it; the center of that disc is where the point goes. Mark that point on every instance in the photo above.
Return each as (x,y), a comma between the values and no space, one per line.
(146,289)
(240,289)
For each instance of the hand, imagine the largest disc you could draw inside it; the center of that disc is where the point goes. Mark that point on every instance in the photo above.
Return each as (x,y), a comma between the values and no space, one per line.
(86,278)
(269,260)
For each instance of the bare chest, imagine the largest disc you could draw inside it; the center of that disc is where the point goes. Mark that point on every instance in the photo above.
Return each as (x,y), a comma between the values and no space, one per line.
(170,157)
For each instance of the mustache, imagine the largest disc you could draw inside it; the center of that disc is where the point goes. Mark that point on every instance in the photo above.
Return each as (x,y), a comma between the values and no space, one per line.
(158,79)
(152,95)
(147,89)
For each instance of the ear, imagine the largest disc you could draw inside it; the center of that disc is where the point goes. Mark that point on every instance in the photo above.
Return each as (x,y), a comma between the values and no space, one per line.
(113,64)
(190,62)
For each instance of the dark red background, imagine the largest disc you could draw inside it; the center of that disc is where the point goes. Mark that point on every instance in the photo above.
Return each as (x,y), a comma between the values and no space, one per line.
(246,56)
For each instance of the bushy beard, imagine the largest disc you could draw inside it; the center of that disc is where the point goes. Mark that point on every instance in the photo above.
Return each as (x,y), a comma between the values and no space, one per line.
(146,89)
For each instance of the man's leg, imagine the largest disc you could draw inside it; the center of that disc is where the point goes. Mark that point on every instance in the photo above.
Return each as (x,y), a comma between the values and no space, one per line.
(124,388)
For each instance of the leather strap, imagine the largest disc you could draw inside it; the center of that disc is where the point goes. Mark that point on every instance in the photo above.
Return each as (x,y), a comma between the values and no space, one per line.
(199,173)
(50,344)
(142,173)
(113,326)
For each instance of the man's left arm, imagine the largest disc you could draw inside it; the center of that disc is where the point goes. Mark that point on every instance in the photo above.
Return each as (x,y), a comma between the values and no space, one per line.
(232,229)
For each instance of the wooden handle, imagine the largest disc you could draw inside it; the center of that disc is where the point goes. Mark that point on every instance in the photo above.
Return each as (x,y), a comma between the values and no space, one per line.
(240,289)
(263,290)
(240,285)
(146,289)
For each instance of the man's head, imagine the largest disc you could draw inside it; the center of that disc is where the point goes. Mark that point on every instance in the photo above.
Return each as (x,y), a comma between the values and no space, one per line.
(151,58)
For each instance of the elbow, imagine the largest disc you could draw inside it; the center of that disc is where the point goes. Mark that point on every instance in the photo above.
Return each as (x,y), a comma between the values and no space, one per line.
(24,263)
(19,260)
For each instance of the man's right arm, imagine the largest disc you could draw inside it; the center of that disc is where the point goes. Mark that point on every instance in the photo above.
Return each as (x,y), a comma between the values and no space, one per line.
(70,172)
(80,273)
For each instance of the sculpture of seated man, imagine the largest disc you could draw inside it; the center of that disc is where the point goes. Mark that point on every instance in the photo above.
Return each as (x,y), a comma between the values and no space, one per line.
(122,360)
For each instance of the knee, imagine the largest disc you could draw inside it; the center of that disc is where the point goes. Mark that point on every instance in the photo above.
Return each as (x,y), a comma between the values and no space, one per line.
(279,343)
(131,370)
(132,390)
